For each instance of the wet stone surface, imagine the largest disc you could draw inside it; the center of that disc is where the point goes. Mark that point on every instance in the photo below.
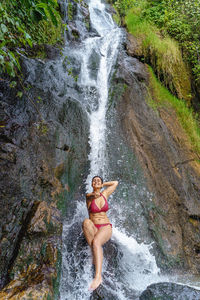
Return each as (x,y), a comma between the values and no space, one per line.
(170,166)
(169,291)
(41,162)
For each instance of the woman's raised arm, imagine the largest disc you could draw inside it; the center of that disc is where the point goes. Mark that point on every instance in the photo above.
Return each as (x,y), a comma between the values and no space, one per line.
(110,187)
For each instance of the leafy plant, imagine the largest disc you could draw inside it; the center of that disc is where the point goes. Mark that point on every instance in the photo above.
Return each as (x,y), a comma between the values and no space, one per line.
(178,18)
(181,20)
(123,6)
(23,24)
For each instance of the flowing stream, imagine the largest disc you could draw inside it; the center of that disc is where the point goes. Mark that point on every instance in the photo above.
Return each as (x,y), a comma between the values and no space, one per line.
(129,265)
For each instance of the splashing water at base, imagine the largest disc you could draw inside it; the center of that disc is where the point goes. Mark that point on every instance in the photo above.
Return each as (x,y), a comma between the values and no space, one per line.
(137,263)
(128,266)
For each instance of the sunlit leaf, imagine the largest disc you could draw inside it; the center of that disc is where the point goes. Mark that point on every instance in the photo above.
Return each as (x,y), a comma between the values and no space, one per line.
(13,84)
(4,28)
(53,18)
(19,94)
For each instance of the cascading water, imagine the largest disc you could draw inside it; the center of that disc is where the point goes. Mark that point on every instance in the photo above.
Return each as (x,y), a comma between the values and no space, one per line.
(132,266)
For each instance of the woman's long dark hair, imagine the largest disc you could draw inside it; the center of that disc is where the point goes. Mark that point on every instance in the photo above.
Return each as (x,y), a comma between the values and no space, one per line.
(98,177)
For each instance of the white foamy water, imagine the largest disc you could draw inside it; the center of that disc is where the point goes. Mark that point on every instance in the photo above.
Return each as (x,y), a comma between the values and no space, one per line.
(138,264)
(97,140)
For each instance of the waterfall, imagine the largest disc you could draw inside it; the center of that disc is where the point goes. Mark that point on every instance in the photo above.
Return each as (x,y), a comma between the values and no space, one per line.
(135,267)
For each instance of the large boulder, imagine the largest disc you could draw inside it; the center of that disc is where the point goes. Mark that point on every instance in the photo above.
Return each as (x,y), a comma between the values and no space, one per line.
(169,291)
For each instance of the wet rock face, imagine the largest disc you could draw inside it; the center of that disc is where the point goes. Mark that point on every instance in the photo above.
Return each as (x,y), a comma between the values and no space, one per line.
(40,163)
(170,165)
(133,47)
(43,151)
(168,290)
(76,16)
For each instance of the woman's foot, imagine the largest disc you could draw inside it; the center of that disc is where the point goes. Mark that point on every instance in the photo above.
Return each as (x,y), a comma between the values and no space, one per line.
(95,283)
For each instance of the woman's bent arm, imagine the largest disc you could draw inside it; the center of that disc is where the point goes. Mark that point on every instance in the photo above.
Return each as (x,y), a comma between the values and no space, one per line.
(111,186)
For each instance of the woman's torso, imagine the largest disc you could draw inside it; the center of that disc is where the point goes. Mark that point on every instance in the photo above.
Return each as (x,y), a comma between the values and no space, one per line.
(95,207)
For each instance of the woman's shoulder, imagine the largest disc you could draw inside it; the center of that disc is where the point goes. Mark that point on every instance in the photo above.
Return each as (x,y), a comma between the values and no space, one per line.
(89,196)
(104,194)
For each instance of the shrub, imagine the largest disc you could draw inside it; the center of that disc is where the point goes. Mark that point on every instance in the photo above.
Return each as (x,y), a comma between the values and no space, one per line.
(24,23)
(162,53)
(181,20)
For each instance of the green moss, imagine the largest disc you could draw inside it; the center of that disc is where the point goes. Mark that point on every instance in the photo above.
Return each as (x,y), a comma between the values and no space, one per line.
(87,24)
(162,53)
(116,93)
(162,97)
(75,34)
(61,202)
(56,280)
(59,170)
(169,261)
(117,19)
(42,128)
(29,260)
(43,249)
(49,297)
(49,33)
(70,11)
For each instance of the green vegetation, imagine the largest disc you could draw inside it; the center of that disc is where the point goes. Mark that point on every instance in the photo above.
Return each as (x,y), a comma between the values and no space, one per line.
(167,36)
(116,93)
(178,18)
(162,97)
(162,53)
(123,6)
(181,20)
(25,24)
(70,10)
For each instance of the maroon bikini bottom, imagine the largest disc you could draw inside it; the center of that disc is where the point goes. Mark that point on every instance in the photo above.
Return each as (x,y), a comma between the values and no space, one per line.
(98,226)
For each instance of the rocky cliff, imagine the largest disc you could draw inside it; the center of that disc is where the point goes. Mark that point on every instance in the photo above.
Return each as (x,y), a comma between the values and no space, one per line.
(43,150)
(171,166)
(41,163)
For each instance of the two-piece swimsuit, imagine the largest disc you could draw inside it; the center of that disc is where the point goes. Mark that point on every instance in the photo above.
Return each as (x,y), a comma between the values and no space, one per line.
(94,209)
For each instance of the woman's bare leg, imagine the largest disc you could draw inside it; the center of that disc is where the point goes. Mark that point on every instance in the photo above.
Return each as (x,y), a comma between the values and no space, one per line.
(89,230)
(101,237)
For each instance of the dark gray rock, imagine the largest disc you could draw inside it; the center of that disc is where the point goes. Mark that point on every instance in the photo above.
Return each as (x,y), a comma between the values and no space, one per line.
(130,68)
(35,166)
(52,52)
(102,293)
(169,291)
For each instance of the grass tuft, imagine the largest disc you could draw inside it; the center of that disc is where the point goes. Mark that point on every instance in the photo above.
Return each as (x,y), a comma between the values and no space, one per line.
(162,53)
(186,116)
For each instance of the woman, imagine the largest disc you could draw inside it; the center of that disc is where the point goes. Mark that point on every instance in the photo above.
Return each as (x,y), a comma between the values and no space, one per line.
(98,229)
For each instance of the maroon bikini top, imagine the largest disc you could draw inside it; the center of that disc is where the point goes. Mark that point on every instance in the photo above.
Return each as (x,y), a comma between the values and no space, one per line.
(94,208)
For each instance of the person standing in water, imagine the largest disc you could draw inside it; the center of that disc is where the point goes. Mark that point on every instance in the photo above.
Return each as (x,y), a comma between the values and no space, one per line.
(98,229)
